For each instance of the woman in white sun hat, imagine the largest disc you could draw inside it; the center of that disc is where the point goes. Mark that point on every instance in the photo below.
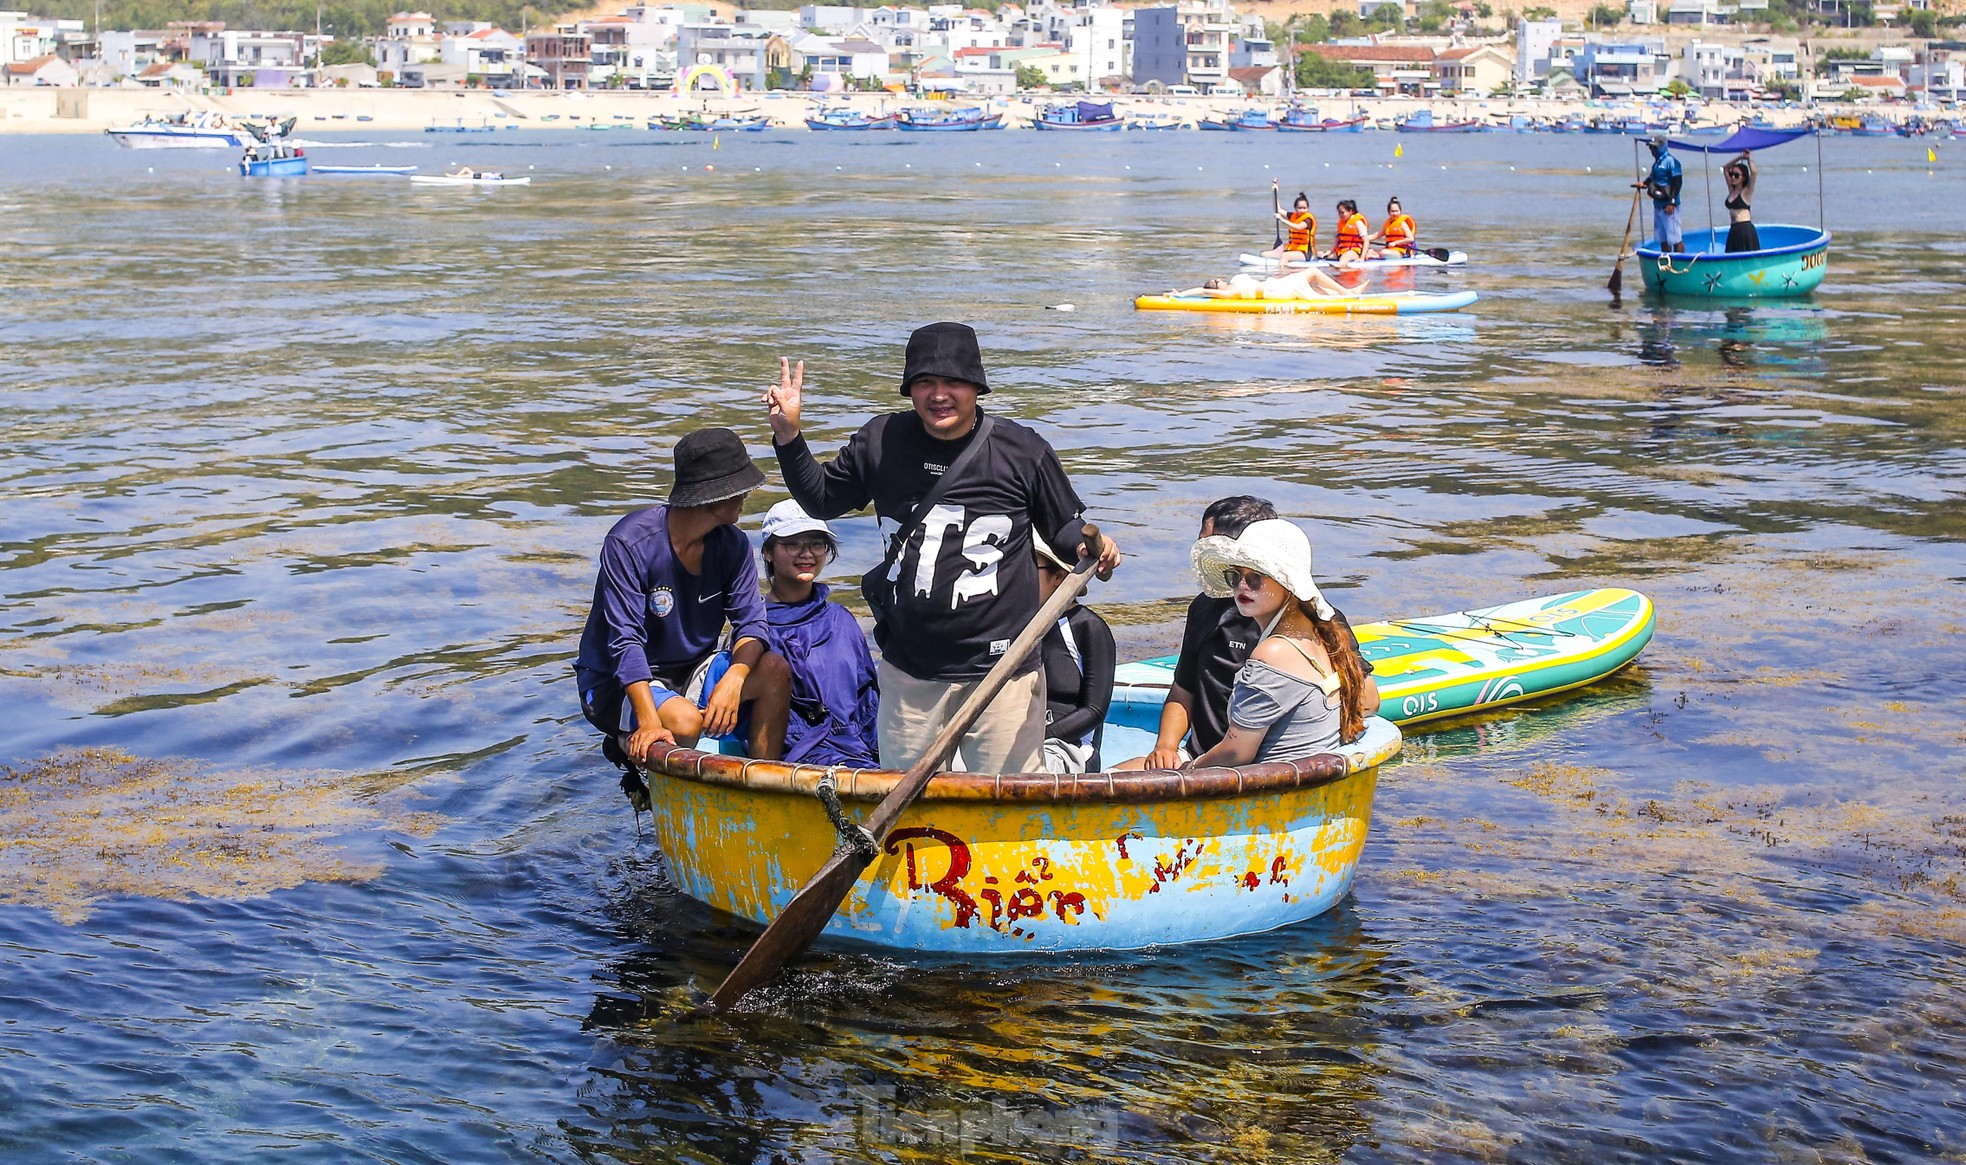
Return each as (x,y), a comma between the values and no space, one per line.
(1304,690)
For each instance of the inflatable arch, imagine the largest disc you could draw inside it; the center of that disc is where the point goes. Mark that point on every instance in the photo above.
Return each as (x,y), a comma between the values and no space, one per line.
(726,81)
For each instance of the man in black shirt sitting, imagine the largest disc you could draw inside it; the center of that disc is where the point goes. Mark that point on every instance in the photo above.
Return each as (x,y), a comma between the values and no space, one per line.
(960,496)
(1214,645)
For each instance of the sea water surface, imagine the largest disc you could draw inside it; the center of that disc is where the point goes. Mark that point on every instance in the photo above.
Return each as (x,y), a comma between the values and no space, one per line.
(306,855)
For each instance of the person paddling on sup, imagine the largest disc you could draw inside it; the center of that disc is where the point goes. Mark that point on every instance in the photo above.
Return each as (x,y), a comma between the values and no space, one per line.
(1399,234)
(961,495)
(671,577)
(1662,184)
(1215,643)
(1352,231)
(1300,227)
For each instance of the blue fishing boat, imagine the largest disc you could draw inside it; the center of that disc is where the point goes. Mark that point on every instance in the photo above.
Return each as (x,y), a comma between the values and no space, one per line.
(738,124)
(1152,123)
(1252,121)
(1299,119)
(848,120)
(1422,121)
(1790,262)
(1082,116)
(969,120)
(1875,125)
(272,161)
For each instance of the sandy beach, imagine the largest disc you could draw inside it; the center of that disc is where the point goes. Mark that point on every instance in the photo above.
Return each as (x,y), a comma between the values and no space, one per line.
(36,110)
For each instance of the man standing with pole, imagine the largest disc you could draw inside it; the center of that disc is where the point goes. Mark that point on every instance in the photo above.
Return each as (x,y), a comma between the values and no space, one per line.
(1662,182)
(960,495)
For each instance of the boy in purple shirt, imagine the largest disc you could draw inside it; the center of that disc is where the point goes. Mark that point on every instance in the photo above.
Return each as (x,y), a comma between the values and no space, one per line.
(671,576)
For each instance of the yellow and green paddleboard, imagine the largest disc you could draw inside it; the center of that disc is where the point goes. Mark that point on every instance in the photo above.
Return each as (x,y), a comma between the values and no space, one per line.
(1444,665)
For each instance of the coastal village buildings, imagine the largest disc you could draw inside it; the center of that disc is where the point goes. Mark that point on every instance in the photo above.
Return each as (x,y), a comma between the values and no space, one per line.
(1180,46)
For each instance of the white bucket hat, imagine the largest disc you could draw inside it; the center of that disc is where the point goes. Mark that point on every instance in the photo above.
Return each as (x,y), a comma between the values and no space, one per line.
(1272,547)
(787,518)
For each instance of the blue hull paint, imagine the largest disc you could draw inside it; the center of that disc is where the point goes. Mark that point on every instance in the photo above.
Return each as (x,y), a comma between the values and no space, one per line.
(1791,263)
(276,168)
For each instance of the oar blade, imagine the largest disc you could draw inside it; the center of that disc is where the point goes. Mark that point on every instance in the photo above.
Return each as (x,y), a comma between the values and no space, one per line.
(794,929)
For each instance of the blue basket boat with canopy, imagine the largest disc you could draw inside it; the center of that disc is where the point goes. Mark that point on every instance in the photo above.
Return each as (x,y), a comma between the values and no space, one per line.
(1790,263)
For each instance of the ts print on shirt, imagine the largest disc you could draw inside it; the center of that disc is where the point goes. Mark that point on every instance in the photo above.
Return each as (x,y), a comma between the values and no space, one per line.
(965,583)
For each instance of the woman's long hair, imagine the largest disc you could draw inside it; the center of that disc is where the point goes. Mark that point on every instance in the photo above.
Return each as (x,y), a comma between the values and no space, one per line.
(1350,667)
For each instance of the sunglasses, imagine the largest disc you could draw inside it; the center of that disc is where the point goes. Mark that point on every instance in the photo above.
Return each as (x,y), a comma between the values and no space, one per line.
(1249,579)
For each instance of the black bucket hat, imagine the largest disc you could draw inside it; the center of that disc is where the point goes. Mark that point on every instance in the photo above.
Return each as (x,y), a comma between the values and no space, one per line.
(712,466)
(944,350)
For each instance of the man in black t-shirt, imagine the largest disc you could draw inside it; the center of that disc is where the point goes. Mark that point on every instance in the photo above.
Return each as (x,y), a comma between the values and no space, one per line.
(959,581)
(1215,643)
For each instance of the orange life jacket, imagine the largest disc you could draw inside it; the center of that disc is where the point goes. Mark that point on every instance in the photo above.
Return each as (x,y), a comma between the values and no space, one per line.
(1400,231)
(1351,235)
(1303,231)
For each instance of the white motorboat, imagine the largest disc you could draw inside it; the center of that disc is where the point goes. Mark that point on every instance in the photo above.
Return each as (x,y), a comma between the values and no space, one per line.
(182,131)
(466,176)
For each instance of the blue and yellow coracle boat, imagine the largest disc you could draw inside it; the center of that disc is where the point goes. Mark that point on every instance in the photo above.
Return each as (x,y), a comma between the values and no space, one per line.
(1791,263)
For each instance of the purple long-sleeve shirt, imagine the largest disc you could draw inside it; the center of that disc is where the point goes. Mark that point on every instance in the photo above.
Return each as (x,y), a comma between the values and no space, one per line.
(650,615)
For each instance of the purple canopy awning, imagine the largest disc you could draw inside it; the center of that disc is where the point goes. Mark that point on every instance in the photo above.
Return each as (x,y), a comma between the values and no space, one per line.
(1743,139)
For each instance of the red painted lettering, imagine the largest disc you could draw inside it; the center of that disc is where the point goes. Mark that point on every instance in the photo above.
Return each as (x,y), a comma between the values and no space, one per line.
(948,885)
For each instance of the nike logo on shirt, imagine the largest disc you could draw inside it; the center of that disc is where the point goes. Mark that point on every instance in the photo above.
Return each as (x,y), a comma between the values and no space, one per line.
(707,598)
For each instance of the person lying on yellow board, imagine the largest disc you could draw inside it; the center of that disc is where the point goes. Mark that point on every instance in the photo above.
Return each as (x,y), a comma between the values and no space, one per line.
(1305,283)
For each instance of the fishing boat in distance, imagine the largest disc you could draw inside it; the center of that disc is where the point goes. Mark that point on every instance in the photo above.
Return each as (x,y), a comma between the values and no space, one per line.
(1299,119)
(849,120)
(970,120)
(1082,117)
(181,131)
(1422,121)
(1791,261)
(1008,863)
(466,176)
(270,154)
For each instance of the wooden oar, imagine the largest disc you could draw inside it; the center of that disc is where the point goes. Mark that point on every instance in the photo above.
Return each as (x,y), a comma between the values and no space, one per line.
(1616,284)
(817,901)
(1276,205)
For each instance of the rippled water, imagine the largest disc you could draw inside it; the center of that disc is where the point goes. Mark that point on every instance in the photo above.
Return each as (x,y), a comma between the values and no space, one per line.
(306,852)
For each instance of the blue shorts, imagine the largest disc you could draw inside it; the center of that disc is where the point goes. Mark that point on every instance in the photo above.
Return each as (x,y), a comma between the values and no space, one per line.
(1665,225)
(608,709)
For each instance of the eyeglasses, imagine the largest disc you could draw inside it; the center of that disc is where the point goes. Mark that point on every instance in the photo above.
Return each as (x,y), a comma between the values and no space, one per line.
(799,548)
(1250,579)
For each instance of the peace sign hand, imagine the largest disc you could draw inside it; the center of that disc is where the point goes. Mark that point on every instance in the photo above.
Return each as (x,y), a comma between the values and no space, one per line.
(782,401)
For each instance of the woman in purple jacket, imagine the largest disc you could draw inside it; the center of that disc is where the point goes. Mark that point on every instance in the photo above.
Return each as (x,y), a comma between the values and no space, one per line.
(835,697)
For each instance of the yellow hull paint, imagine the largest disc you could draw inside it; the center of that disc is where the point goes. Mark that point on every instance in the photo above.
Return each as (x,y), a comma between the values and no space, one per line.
(985,876)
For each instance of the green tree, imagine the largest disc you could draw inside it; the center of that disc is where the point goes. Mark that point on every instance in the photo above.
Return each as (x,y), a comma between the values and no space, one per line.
(1824,67)
(1030,77)
(346,52)
(1924,22)
(1607,16)
(1317,71)
(1679,90)
(1433,15)
(1387,17)
(1313,29)
(1345,22)
(1539,13)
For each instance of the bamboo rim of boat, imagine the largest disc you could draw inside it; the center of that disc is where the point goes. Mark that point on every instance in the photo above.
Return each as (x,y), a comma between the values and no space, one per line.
(1131,787)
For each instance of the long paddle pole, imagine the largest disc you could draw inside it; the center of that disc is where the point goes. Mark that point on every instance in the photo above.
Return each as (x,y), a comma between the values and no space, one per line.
(1616,284)
(820,898)
(1276,210)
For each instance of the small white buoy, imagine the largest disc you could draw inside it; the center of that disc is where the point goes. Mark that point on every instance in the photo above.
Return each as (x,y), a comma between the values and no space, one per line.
(1511,169)
(836,167)
(685,169)
(1587,169)
(1327,165)
(150,169)
(528,167)
(1197,169)
(607,167)
(1266,165)
(907,165)
(979,165)
(1062,307)
(757,169)
(1129,167)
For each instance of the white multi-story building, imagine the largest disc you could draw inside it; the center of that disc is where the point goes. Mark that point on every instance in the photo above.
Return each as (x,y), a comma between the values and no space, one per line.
(1533,41)
(25,38)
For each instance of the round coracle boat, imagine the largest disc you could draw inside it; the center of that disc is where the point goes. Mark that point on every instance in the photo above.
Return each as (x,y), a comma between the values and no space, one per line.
(1791,263)
(984,862)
